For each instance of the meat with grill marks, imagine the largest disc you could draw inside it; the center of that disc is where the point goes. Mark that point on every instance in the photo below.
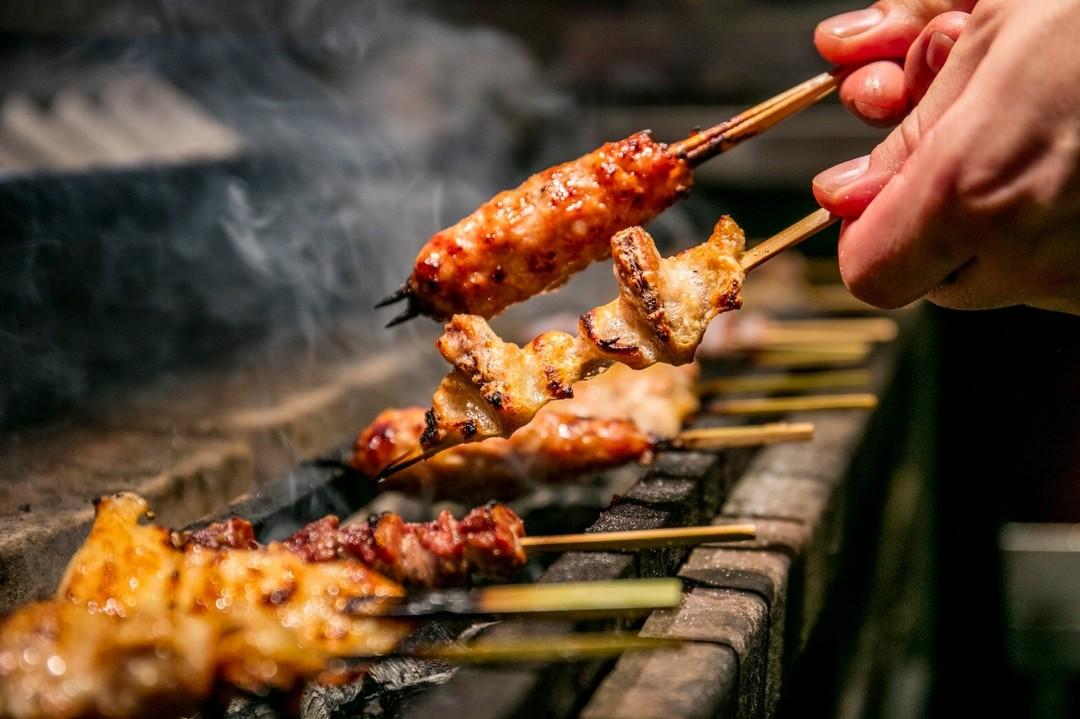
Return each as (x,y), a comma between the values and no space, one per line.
(612,420)
(662,312)
(140,627)
(533,238)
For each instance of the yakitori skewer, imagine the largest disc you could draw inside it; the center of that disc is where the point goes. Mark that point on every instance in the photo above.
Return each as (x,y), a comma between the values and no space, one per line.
(142,627)
(780,405)
(622,416)
(662,312)
(785,382)
(533,238)
(489,541)
(502,467)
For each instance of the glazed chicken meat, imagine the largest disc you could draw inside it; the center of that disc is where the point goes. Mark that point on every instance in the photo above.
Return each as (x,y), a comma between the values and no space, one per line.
(533,238)
(139,627)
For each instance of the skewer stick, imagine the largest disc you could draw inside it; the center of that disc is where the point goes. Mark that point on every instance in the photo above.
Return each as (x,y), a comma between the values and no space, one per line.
(778,405)
(728,437)
(779,336)
(709,143)
(784,382)
(573,647)
(639,539)
(805,228)
(408,459)
(795,357)
(873,329)
(575,598)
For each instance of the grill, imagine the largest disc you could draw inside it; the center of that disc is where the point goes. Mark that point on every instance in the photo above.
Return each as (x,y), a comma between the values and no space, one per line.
(748,613)
(158,406)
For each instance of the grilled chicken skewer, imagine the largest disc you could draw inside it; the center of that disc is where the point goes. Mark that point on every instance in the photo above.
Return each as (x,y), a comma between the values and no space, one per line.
(553,449)
(148,622)
(663,310)
(141,628)
(615,419)
(533,238)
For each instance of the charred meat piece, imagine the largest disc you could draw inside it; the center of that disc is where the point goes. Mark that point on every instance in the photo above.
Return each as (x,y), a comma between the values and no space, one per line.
(555,448)
(663,309)
(139,627)
(441,553)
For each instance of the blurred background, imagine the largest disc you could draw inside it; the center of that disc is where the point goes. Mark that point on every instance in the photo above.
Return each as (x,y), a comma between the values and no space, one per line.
(192,184)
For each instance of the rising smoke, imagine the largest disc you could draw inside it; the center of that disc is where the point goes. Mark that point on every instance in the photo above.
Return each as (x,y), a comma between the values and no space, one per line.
(366,127)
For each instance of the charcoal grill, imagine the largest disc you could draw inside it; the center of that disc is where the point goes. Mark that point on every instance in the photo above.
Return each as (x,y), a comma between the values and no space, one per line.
(754,618)
(748,613)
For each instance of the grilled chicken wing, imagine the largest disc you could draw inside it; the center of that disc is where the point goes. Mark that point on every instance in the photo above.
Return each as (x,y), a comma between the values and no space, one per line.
(663,309)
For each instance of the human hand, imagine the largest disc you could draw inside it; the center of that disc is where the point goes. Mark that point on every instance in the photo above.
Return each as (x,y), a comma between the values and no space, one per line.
(974,201)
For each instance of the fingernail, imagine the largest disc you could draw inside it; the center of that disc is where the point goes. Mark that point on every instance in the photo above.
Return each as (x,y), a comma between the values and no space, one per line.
(837,178)
(852,23)
(937,51)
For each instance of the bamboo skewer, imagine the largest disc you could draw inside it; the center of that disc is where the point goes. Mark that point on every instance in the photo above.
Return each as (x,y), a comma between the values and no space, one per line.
(769,337)
(709,143)
(801,356)
(784,382)
(805,228)
(408,459)
(728,437)
(573,598)
(778,405)
(639,539)
(872,329)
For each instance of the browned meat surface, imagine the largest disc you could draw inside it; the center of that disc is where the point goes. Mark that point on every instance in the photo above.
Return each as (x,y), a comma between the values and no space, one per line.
(557,447)
(233,533)
(445,552)
(533,238)
(663,309)
(140,628)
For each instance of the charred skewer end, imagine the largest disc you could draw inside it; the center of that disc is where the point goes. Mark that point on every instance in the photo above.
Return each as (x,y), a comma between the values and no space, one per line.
(412,309)
(401,293)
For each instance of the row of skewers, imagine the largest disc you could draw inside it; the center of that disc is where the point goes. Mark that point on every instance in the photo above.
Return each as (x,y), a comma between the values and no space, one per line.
(147,619)
(125,579)
(209,609)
